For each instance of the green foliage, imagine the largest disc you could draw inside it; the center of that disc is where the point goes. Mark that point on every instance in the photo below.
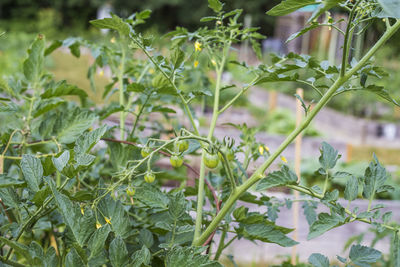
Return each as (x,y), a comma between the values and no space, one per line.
(74,195)
(278,178)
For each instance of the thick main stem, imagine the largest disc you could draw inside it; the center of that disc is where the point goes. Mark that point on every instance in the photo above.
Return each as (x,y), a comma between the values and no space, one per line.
(257,175)
(200,193)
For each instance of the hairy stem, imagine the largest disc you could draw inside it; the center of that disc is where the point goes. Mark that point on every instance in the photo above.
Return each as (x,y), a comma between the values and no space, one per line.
(221,245)
(200,193)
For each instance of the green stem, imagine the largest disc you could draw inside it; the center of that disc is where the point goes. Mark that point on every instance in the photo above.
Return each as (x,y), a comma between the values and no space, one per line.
(11,263)
(200,193)
(347,39)
(244,89)
(311,85)
(326,183)
(138,115)
(230,241)
(121,92)
(258,174)
(220,245)
(370,202)
(183,100)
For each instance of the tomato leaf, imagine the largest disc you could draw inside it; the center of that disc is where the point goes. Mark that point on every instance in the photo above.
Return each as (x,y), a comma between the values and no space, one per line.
(391,8)
(142,256)
(72,124)
(351,190)
(215,5)
(33,65)
(278,178)
(33,171)
(325,222)
(113,23)
(118,252)
(329,156)
(73,259)
(289,6)
(188,256)
(318,260)
(364,256)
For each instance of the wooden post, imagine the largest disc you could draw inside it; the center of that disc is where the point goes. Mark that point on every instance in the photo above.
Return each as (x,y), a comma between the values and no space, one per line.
(272,100)
(244,50)
(349,152)
(396,112)
(323,42)
(297,163)
(1,164)
(333,47)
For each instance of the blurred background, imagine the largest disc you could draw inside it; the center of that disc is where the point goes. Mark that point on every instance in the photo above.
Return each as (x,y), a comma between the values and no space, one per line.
(356,124)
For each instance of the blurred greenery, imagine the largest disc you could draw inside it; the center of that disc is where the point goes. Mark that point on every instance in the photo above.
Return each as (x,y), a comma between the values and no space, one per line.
(57,19)
(72,16)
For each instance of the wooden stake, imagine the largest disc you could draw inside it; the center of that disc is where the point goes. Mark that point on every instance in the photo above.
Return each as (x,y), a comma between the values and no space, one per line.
(349,152)
(272,100)
(1,164)
(297,163)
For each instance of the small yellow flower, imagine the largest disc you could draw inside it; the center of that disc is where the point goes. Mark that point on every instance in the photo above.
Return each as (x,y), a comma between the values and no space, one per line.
(266,148)
(196,63)
(101,73)
(219,22)
(98,225)
(151,71)
(261,150)
(197,46)
(112,40)
(213,62)
(283,159)
(82,211)
(107,220)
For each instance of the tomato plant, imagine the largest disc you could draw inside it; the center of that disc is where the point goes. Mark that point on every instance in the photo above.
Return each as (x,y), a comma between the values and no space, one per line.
(66,201)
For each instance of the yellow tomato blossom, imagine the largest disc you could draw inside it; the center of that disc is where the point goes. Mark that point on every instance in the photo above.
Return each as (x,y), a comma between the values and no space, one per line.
(213,62)
(82,211)
(261,150)
(107,220)
(98,225)
(112,40)
(101,73)
(283,159)
(196,63)
(197,46)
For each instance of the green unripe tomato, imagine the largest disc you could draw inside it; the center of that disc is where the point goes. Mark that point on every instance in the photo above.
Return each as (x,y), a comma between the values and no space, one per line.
(130,191)
(145,151)
(149,177)
(230,156)
(211,160)
(182,145)
(176,161)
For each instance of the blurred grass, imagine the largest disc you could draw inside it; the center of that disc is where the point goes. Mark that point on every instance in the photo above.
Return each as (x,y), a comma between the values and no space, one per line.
(74,70)
(387,156)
